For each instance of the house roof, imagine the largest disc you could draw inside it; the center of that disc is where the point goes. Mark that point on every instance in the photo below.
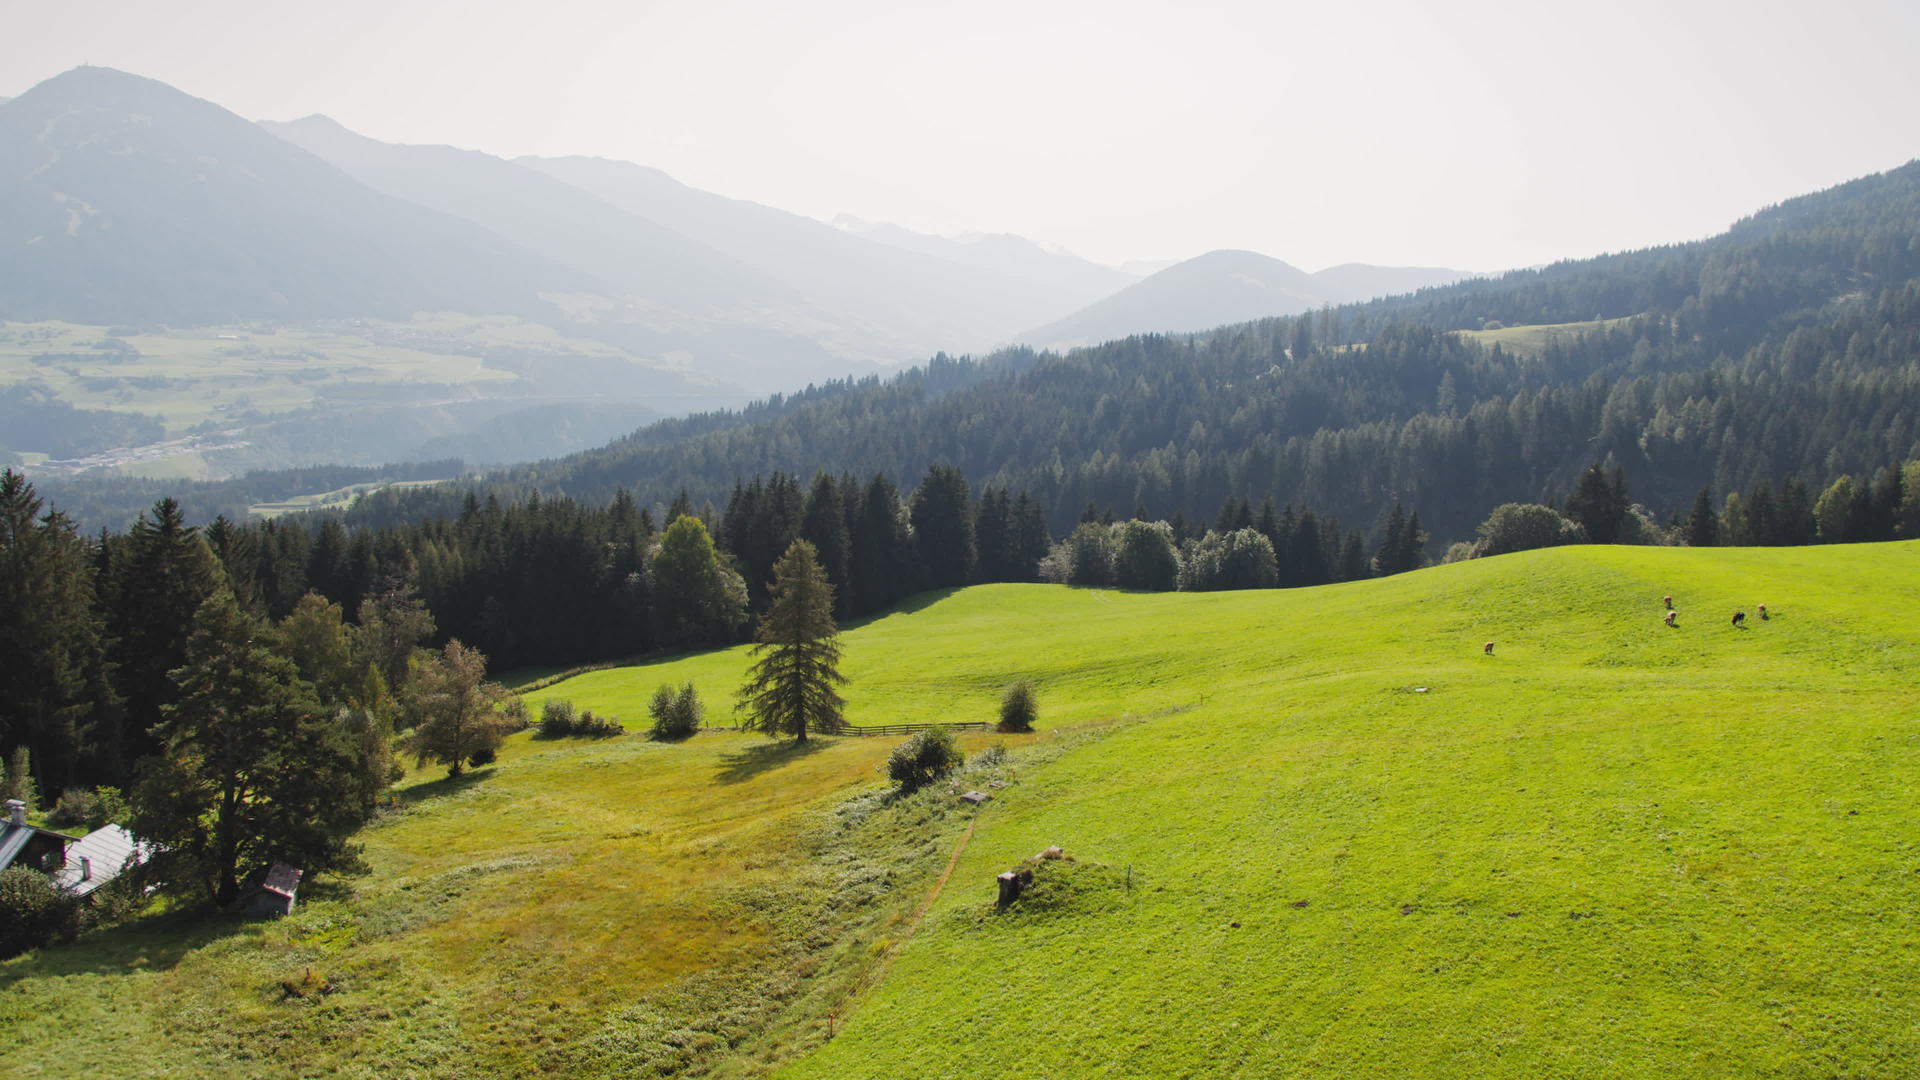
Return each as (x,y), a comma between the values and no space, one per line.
(13,839)
(109,849)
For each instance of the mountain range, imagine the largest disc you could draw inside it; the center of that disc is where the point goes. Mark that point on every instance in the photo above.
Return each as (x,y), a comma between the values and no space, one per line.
(1222,287)
(125,203)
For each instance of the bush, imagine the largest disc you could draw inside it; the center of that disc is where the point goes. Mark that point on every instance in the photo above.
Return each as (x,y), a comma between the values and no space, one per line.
(597,727)
(483,756)
(1018,710)
(513,715)
(676,714)
(924,758)
(37,913)
(559,720)
(79,808)
(1525,526)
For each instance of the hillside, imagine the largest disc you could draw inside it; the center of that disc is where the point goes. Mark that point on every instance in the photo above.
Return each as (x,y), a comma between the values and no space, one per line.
(123,200)
(1223,287)
(1609,849)
(1784,347)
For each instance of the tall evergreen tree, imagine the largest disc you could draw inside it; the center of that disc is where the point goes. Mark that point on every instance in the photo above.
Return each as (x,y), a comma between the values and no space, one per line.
(790,688)
(55,695)
(1030,539)
(1703,524)
(942,513)
(163,575)
(251,769)
(823,524)
(1598,503)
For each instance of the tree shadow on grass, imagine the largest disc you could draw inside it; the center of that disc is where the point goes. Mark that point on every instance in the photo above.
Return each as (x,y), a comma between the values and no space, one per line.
(154,942)
(743,765)
(446,785)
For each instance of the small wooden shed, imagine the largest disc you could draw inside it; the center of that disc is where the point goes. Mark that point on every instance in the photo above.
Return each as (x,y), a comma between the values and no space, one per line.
(276,892)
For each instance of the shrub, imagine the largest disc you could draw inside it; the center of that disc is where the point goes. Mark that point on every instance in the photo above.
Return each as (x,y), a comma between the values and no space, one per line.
(557,718)
(676,714)
(596,727)
(79,808)
(924,758)
(483,756)
(37,912)
(1525,526)
(1018,710)
(513,715)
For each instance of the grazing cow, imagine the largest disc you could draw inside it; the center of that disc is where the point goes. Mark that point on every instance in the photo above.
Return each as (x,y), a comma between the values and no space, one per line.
(1671,616)
(1763,612)
(1487,648)
(1739,617)
(1669,601)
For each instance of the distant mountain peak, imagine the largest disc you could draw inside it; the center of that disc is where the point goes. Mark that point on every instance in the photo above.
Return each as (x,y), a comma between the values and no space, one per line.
(1227,285)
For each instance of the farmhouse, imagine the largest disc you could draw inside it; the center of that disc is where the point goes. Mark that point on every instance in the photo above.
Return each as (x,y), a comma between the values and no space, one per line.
(78,864)
(30,845)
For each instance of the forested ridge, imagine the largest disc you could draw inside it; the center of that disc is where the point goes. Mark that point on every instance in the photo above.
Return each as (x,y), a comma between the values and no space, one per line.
(1790,345)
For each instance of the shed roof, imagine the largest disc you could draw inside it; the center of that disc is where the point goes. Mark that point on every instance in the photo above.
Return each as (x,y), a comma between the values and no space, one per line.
(283,880)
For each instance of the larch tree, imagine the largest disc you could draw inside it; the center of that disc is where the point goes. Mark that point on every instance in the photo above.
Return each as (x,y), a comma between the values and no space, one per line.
(790,687)
(459,722)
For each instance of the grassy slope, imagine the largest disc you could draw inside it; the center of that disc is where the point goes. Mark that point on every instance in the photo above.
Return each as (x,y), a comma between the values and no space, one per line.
(1612,849)
(1533,339)
(1687,794)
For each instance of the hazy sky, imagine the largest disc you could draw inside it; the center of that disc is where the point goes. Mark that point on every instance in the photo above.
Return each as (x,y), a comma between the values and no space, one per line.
(1479,134)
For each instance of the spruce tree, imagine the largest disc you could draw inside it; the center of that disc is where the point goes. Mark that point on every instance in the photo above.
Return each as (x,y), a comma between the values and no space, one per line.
(251,768)
(790,687)
(943,527)
(1703,524)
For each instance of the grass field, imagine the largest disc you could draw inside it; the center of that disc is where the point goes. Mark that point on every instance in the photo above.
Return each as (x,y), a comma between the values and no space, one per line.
(192,376)
(1528,340)
(1315,832)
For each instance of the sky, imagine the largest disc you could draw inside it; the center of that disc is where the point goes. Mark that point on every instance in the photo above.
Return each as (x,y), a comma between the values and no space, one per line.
(1473,134)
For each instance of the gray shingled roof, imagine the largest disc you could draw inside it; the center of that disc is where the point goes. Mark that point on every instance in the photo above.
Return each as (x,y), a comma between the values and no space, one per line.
(109,848)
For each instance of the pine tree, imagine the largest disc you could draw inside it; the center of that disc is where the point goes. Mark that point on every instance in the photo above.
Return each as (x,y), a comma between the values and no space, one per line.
(1703,524)
(823,523)
(251,769)
(790,687)
(163,575)
(943,527)
(55,696)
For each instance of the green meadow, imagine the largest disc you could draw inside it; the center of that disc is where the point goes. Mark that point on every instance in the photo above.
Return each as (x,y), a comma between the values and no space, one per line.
(1531,340)
(1311,832)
